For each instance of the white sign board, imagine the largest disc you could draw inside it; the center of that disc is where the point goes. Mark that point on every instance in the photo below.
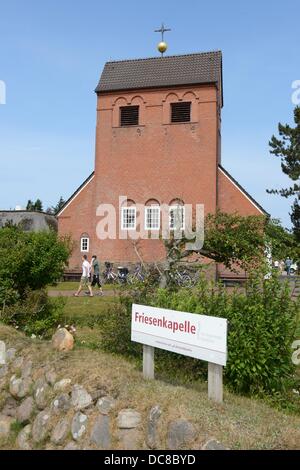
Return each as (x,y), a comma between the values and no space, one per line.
(190,334)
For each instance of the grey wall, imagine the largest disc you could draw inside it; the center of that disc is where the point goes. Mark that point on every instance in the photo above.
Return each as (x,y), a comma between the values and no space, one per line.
(29,221)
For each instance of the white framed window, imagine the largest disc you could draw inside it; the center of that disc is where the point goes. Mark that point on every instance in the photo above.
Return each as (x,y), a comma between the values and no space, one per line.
(152,217)
(84,244)
(128,218)
(176,217)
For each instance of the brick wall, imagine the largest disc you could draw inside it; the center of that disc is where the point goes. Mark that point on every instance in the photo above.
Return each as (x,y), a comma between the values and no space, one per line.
(155,160)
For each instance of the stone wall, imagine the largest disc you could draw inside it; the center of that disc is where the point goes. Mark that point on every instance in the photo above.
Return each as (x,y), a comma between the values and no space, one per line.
(39,409)
(28,220)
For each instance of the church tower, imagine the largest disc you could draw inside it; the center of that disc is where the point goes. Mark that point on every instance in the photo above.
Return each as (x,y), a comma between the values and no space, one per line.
(158,137)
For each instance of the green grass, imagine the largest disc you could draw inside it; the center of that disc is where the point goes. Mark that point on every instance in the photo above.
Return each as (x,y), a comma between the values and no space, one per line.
(86,305)
(85,309)
(73,286)
(84,313)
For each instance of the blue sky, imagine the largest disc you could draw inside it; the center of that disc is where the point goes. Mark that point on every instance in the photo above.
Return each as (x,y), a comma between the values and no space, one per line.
(52,54)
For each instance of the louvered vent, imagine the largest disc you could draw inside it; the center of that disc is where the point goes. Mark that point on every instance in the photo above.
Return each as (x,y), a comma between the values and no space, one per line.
(129,115)
(181,112)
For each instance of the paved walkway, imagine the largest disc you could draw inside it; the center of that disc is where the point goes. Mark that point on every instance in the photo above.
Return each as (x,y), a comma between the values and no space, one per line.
(296,287)
(294,282)
(70,293)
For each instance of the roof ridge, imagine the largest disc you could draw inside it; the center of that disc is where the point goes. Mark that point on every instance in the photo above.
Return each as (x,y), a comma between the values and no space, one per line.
(165,57)
(74,194)
(229,175)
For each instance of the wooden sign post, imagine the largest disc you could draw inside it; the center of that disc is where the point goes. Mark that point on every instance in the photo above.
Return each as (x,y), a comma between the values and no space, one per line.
(148,362)
(215,382)
(199,336)
(215,374)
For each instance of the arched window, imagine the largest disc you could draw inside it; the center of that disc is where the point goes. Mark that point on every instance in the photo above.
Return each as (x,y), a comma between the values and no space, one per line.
(128,215)
(84,243)
(176,215)
(152,215)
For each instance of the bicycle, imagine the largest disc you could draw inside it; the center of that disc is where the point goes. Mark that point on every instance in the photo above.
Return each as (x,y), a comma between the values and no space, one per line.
(181,278)
(122,276)
(137,275)
(109,276)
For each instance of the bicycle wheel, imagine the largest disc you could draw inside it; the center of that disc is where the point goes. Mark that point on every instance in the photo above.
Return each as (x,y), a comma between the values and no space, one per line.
(186,280)
(112,278)
(131,278)
(140,277)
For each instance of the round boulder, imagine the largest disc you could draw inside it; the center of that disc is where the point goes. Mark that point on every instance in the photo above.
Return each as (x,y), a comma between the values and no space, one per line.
(62,340)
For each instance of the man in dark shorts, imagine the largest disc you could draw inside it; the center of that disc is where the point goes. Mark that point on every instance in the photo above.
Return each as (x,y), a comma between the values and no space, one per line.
(96,274)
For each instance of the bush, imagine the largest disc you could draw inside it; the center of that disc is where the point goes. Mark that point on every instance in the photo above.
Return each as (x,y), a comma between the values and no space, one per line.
(36,314)
(29,260)
(8,295)
(262,324)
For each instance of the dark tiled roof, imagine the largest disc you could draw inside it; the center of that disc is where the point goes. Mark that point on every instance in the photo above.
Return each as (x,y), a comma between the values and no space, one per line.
(189,69)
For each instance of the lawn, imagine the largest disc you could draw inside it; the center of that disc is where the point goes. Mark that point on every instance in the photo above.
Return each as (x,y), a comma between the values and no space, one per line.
(83,312)
(73,286)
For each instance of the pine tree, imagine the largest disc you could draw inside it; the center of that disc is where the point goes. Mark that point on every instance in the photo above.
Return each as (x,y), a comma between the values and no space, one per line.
(38,205)
(295,218)
(54,209)
(287,147)
(34,206)
(59,205)
(30,205)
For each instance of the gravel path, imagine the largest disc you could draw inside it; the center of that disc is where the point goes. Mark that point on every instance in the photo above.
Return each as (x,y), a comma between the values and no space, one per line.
(70,293)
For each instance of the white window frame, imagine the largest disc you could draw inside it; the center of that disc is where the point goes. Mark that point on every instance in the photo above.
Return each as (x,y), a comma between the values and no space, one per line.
(123,211)
(176,207)
(82,239)
(147,210)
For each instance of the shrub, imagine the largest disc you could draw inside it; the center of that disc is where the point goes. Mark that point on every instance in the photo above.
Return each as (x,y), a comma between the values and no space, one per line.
(30,260)
(262,324)
(36,314)
(8,295)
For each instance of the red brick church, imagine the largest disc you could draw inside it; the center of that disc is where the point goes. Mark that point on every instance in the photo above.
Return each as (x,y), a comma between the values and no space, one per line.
(158,142)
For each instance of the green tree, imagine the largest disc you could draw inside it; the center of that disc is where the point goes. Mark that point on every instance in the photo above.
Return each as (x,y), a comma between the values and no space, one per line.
(38,205)
(287,147)
(295,218)
(283,243)
(34,206)
(59,205)
(230,239)
(30,205)
(55,209)
(30,260)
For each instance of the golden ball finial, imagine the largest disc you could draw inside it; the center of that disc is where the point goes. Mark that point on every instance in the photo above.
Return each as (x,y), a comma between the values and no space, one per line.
(162,47)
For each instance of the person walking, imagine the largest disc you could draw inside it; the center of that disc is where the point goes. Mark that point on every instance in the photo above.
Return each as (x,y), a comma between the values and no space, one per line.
(96,274)
(288,263)
(85,278)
